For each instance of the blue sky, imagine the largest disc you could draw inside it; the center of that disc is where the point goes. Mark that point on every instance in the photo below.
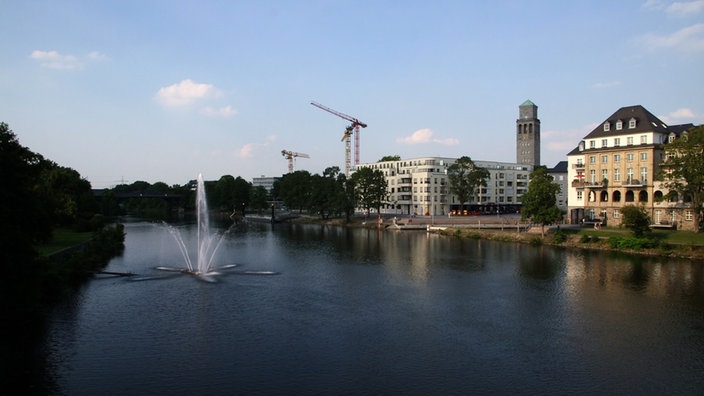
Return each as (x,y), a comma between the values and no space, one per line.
(164,90)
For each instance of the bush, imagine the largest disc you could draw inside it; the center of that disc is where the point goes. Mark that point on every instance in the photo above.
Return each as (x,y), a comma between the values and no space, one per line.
(537,241)
(585,238)
(633,243)
(559,236)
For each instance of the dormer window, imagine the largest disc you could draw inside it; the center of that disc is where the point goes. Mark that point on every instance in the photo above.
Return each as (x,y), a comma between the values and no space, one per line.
(631,123)
(671,138)
(619,125)
(607,126)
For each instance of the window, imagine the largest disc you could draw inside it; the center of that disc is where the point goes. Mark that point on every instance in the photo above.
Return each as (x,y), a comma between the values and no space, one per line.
(617,174)
(617,214)
(643,156)
(671,138)
(592,144)
(631,123)
(592,159)
(643,139)
(643,174)
(617,157)
(617,142)
(604,174)
(604,159)
(619,125)
(604,143)
(592,176)
(688,215)
(579,162)
(629,157)
(579,195)
(607,126)
(629,140)
(629,176)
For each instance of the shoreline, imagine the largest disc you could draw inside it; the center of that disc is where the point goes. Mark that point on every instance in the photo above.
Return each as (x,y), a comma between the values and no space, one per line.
(503,229)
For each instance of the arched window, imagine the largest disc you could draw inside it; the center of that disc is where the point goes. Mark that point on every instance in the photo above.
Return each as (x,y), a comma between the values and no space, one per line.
(657,196)
(630,196)
(604,196)
(616,196)
(672,196)
(643,196)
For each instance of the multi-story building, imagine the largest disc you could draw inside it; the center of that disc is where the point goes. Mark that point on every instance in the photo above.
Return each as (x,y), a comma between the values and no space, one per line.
(616,164)
(559,176)
(421,186)
(264,181)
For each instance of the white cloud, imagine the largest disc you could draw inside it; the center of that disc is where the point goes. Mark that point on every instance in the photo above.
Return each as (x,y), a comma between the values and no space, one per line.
(225,112)
(689,39)
(682,115)
(686,8)
(426,136)
(55,60)
(97,56)
(185,93)
(247,151)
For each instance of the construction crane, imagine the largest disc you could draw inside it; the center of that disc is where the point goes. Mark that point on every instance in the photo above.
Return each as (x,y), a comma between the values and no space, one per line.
(290,155)
(346,137)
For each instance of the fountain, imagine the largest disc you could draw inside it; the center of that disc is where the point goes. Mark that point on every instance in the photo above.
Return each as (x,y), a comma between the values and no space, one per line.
(208,244)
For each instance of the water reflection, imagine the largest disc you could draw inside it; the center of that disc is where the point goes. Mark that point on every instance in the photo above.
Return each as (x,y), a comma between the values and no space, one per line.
(372,312)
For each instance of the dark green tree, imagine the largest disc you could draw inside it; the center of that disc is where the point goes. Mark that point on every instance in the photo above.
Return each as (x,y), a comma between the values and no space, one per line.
(683,169)
(539,204)
(24,217)
(347,200)
(636,219)
(370,188)
(258,199)
(241,194)
(294,189)
(390,158)
(464,176)
(324,194)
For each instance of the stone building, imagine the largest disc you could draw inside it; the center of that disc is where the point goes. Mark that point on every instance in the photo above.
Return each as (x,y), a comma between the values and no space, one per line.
(616,165)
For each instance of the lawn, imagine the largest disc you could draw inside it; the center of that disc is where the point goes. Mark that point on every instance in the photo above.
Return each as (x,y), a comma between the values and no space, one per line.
(672,237)
(63,238)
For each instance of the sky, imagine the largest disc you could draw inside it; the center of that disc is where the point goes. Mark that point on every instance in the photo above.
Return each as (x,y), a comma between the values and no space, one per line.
(161,91)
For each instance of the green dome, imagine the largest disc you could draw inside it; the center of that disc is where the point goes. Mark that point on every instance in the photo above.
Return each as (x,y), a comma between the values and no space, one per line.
(527,103)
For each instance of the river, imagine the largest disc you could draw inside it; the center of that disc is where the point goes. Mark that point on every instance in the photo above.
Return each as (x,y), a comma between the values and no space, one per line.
(359,311)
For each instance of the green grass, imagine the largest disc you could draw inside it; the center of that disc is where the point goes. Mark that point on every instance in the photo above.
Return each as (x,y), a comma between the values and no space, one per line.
(61,239)
(672,237)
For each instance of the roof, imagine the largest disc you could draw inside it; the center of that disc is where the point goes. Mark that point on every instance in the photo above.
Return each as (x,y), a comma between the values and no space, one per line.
(527,103)
(678,129)
(560,167)
(645,122)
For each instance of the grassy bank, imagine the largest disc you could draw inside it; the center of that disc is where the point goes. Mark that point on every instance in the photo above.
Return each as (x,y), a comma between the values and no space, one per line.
(62,239)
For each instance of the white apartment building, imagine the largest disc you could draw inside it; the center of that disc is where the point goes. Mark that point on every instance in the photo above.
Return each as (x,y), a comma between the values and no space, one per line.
(420,186)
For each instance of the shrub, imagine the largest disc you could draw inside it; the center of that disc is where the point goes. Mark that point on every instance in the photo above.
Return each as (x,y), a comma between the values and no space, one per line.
(559,236)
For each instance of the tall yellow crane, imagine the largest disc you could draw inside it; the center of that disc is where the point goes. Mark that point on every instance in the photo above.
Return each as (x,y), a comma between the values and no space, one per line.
(354,127)
(290,155)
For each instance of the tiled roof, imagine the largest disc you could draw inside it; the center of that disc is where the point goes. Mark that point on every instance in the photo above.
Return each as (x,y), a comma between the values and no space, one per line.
(645,122)
(561,167)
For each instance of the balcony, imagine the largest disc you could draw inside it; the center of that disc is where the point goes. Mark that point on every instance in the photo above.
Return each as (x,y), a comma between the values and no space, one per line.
(577,166)
(633,183)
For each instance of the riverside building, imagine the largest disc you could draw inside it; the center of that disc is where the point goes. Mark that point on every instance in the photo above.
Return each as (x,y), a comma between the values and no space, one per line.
(617,164)
(420,185)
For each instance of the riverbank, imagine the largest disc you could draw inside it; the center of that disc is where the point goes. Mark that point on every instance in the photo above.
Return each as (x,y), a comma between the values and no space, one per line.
(509,228)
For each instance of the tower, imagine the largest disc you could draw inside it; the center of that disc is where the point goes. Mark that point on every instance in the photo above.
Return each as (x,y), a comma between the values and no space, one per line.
(528,134)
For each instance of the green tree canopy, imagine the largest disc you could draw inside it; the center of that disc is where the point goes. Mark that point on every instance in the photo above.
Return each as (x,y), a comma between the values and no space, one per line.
(464,176)
(539,201)
(636,219)
(683,169)
(370,188)
(294,189)
(390,158)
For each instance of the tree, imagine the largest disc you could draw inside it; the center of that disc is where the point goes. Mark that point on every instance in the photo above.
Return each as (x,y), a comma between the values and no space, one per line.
(294,189)
(324,194)
(539,204)
(637,219)
(24,218)
(258,198)
(683,169)
(370,188)
(464,176)
(390,158)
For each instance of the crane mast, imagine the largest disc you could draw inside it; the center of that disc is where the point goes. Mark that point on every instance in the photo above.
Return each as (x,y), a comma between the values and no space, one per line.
(290,155)
(354,127)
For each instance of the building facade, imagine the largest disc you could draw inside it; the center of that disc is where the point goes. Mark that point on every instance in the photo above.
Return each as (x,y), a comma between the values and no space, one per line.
(617,164)
(528,135)
(559,176)
(420,186)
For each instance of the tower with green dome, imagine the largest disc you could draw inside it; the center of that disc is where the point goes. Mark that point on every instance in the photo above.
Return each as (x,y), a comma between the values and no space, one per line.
(528,134)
